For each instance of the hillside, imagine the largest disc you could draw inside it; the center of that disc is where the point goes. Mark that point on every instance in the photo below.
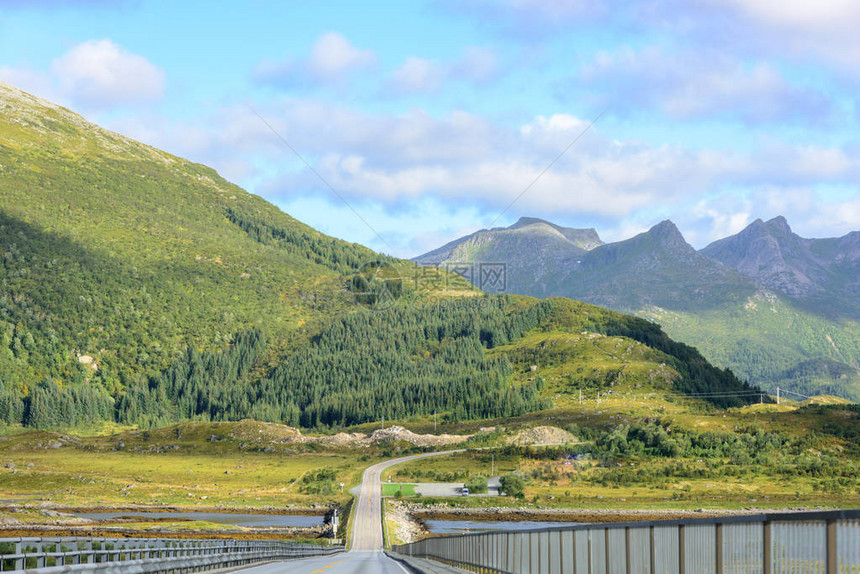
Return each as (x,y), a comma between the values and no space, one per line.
(777,309)
(140,288)
(120,252)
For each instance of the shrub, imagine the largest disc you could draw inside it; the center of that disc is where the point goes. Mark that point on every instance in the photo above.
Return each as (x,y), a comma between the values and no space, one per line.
(512,485)
(477,484)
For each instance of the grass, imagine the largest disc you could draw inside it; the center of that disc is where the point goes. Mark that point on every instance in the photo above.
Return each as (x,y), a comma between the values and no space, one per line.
(559,483)
(390,527)
(147,470)
(394,488)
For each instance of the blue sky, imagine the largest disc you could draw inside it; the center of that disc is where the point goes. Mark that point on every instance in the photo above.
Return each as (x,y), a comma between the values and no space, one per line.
(430,118)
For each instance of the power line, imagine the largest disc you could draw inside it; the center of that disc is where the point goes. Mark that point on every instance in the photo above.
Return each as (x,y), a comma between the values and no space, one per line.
(547,168)
(322,179)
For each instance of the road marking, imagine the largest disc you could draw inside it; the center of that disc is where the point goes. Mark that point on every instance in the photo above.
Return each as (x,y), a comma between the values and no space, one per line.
(324,568)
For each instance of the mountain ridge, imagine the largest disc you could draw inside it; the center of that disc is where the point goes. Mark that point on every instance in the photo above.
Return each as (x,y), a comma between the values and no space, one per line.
(713,297)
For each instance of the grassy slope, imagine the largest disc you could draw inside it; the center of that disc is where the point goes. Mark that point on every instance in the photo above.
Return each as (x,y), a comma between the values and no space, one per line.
(766,339)
(132,246)
(116,250)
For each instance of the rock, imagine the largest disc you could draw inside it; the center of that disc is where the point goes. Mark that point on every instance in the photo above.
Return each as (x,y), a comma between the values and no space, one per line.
(542,435)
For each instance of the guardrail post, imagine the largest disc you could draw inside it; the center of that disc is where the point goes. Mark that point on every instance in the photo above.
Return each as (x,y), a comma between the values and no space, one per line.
(41,559)
(768,549)
(832,556)
(606,547)
(653,550)
(627,547)
(719,550)
(590,556)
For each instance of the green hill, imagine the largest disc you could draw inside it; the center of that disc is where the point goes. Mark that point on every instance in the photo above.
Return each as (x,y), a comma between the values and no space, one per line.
(138,287)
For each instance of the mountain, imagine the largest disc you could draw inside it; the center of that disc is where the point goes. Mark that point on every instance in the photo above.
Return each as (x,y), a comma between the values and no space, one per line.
(778,309)
(822,273)
(655,268)
(533,244)
(138,287)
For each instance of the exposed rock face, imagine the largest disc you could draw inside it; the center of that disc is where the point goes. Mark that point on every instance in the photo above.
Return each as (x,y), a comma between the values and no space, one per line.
(542,435)
(260,432)
(774,255)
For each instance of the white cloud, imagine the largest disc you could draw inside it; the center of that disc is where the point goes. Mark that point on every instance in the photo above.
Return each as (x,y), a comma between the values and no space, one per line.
(332,55)
(99,74)
(479,65)
(697,84)
(417,76)
(393,163)
(332,59)
(820,15)
(809,212)
(529,18)
(821,31)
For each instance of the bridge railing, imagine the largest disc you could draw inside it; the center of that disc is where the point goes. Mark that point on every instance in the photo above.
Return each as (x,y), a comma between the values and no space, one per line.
(145,555)
(802,542)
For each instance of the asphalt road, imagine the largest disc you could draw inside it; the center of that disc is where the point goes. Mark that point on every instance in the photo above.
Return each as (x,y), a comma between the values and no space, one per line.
(365,555)
(367,525)
(352,562)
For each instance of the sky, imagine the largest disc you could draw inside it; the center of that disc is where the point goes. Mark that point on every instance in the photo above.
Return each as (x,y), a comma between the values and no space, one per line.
(404,125)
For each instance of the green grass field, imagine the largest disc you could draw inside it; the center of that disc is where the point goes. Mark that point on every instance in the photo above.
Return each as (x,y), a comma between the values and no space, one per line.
(161,468)
(395,487)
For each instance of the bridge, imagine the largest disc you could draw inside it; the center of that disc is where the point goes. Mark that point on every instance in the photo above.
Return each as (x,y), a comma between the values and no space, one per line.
(802,542)
(807,542)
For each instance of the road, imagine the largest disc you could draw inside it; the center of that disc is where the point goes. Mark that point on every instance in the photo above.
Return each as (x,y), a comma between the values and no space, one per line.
(365,554)
(353,562)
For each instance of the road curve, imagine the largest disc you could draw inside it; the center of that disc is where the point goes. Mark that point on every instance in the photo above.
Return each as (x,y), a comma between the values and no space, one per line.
(365,554)
(366,533)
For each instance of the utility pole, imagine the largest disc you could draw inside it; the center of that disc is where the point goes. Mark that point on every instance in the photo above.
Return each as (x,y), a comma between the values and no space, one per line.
(598,398)
(580,396)
(492,464)
(434,422)
(777,396)
(383,422)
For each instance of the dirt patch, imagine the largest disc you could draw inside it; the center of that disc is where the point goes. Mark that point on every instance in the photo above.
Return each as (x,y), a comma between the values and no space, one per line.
(542,435)
(396,433)
(272,433)
(255,431)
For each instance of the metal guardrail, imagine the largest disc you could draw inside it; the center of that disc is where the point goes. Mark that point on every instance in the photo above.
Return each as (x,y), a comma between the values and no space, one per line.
(803,542)
(144,555)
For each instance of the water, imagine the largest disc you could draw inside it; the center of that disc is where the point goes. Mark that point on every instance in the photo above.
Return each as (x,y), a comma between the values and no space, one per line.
(247,520)
(464,526)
